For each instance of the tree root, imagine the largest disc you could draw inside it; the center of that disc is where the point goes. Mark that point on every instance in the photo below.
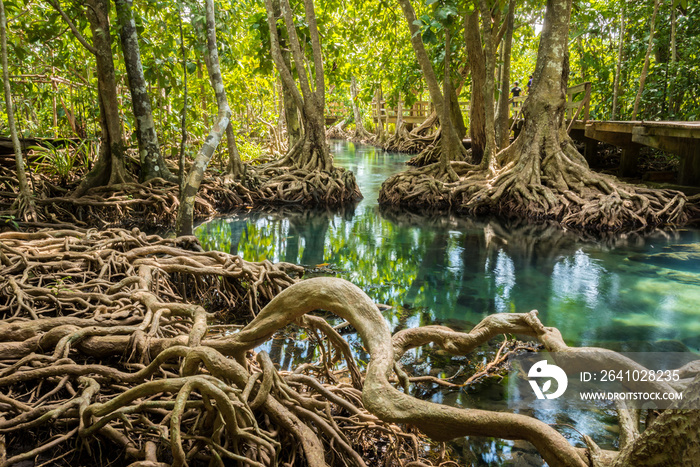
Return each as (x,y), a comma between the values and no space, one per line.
(112,338)
(150,205)
(560,187)
(275,184)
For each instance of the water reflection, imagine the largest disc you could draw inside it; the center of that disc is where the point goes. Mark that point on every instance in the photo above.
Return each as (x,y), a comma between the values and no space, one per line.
(456,271)
(632,293)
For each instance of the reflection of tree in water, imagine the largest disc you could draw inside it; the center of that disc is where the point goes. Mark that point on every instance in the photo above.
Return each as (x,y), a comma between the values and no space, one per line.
(236,230)
(454,271)
(444,269)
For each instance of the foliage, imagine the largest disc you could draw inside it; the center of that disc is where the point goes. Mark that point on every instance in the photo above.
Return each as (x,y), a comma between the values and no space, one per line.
(61,161)
(250,151)
(55,88)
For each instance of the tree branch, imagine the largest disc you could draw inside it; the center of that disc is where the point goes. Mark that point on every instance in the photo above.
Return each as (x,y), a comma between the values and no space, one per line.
(76,33)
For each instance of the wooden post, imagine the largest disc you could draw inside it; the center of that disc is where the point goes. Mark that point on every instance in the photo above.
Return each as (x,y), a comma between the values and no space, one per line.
(689,171)
(629,160)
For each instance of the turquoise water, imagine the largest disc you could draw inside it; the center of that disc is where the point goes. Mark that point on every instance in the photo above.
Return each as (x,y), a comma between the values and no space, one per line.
(629,293)
(633,293)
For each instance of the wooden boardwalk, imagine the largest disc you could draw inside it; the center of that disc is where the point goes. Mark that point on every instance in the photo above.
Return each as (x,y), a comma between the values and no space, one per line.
(680,138)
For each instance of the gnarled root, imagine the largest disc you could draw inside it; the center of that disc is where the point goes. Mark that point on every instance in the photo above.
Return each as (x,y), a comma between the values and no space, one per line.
(426,187)
(291,185)
(551,183)
(105,339)
(152,204)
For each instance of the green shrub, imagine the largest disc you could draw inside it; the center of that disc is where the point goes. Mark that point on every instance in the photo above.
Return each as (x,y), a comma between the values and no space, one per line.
(250,151)
(61,162)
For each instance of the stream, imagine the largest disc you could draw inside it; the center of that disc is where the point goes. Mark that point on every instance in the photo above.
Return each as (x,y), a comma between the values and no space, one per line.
(632,293)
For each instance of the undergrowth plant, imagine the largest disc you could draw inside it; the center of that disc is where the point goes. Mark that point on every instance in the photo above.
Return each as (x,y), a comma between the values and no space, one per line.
(62,161)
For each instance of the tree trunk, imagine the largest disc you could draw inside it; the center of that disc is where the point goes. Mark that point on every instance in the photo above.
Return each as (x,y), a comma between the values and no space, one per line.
(311,153)
(24,204)
(502,114)
(399,117)
(489,159)
(448,148)
(291,114)
(449,128)
(674,58)
(235,165)
(152,163)
(645,67)
(378,111)
(183,116)
(185,213)
(616,84)
(360,131)
(672,439)
(543,111)
(542,175)
(109,168)
(456,113)
(477,116)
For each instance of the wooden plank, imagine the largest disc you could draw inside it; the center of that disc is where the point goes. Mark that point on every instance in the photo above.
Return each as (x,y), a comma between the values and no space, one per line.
(682,130)
(662,142)
(619,135)
(575,89)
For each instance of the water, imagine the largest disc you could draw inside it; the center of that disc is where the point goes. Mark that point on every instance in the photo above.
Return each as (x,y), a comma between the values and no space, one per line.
(635,293)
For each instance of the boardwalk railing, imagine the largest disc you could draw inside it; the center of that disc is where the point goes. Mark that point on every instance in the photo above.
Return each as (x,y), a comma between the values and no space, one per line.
(416,114)
(578,100)
(574,107)
(335,111)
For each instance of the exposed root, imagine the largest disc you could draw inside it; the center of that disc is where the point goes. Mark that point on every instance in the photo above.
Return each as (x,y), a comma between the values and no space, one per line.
(119,338)
(422,187)
(151,205)
(554,183)
(337,132)
(284,182)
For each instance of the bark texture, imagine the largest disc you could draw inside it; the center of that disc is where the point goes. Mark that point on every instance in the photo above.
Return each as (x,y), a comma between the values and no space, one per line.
(24,204)
(542,175)
(291,114)
(313,153)
(109,169)
(235,165)
(305,175)
(185,213)
(360,131)
(152,163)
(449,128)
(503,107)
